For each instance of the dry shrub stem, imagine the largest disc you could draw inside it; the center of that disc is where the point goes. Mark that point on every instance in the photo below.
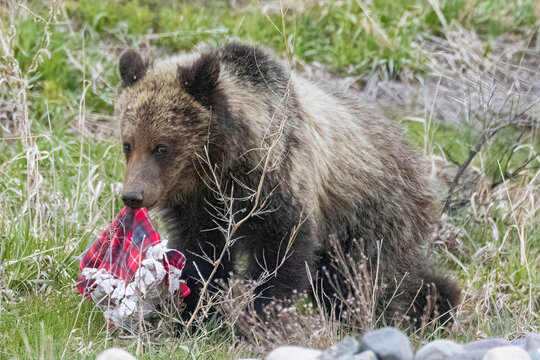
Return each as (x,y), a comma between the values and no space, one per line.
(232,224)
(491,93)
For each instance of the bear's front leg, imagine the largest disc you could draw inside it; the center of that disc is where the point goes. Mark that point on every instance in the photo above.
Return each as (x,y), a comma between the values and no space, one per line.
(280,259)
(198,250)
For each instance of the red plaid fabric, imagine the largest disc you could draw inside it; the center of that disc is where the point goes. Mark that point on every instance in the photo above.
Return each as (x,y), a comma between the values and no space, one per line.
(122,248)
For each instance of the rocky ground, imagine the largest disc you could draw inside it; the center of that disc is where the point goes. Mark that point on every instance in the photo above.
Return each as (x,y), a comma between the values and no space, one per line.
(391,344)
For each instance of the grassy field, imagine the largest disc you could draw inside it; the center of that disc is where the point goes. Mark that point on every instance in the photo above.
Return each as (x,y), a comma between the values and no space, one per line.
(461,76)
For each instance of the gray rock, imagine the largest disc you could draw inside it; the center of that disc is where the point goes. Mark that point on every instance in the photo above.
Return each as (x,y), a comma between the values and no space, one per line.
(388,344)
(365,355)
(485,344)
(529,342)
(534,354)
(438,350)
(519,342)
(532,342)
(343,350)
(293,353)
(507,353)
(115,354)
(471,355)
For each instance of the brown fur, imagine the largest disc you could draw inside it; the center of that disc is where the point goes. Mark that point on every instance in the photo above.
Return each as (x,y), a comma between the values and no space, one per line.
(338,166)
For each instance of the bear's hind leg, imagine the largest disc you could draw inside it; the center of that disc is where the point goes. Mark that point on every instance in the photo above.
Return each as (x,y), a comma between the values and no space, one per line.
(422,297)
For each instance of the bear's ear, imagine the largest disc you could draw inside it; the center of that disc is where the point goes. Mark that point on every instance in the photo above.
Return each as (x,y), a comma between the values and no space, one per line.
(132,67)
(201,78)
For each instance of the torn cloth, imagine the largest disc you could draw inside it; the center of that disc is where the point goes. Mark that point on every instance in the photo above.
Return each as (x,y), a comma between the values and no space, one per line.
(129,269)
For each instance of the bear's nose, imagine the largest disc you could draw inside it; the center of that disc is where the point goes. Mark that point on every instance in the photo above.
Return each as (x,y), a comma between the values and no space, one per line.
(133,199)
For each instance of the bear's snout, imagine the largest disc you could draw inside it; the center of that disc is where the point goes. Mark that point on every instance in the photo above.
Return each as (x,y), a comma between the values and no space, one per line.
(143,185)
(133,199)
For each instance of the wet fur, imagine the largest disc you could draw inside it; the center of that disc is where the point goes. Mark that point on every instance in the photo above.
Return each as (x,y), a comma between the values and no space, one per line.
(339,167)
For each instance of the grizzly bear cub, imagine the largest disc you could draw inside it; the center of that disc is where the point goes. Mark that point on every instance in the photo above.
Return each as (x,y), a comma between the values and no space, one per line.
(202,128)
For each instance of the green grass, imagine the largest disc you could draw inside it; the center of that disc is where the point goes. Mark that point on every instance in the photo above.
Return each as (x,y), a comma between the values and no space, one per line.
(42,315)
(60,323)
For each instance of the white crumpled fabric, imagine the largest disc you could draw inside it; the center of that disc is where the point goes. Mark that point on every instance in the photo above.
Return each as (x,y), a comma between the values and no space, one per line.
(122,304)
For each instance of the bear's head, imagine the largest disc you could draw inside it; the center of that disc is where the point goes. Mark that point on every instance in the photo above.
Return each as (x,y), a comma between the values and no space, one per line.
(165,111)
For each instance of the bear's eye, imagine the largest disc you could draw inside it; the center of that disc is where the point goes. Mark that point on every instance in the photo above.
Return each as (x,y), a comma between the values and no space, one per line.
(159,150)
(127,148)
